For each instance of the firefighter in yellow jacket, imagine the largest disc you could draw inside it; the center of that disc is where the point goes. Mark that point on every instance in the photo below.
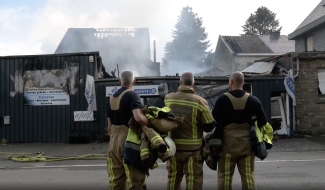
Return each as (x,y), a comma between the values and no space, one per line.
(233,113)
(122,106)
(188,136)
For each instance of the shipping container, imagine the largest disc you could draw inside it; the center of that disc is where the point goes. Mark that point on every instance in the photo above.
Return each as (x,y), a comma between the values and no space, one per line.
(40,94)
(263,87)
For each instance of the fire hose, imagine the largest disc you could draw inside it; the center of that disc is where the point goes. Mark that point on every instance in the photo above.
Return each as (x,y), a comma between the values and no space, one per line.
(40,158)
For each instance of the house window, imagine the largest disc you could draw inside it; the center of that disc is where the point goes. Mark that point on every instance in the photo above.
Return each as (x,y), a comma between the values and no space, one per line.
(310,43)
(321,81)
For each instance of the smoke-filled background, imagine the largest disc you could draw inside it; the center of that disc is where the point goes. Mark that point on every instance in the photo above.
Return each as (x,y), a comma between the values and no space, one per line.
(38,26)
(120,49)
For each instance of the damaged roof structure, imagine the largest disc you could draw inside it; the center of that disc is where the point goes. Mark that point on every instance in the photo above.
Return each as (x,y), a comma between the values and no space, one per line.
(236,53)
(251,55)
(120,48)
(275,65)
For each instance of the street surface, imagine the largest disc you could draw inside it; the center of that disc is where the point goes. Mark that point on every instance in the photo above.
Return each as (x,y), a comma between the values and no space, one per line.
(280,171)
(283,169)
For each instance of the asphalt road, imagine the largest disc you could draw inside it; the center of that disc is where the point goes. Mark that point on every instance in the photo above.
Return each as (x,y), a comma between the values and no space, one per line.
(281,170)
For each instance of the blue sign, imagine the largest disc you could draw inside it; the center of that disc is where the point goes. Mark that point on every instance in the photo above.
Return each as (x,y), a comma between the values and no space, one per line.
(114,90)
(289,84)
(142,90)
(145,91)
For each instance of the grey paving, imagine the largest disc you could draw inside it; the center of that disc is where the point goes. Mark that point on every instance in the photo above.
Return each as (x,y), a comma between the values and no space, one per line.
(291,164)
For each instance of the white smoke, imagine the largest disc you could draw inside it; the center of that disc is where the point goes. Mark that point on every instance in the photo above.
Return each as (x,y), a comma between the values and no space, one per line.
(39,30)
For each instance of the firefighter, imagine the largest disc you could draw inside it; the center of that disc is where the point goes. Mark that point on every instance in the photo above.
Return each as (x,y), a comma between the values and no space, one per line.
(188,136)
(233,113)
(122,106)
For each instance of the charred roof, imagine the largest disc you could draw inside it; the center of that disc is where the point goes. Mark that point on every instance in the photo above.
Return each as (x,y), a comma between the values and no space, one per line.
(129,48)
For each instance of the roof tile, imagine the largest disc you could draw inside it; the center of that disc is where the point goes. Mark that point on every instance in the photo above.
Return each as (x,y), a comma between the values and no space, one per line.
(316,14)
(247,44)
(280,45)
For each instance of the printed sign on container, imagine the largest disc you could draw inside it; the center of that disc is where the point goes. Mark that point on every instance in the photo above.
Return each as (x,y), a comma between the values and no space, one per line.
(46,96)
(142,90)
(83,116)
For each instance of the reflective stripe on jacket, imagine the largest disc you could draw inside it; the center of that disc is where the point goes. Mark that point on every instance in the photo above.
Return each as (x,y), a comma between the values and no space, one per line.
(195,111)
(265,134)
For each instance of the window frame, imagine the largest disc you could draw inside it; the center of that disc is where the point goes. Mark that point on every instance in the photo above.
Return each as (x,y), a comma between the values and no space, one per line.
(309,40)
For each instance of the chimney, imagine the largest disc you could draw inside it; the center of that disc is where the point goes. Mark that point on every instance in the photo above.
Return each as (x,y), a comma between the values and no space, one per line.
(275,35)
(154,51)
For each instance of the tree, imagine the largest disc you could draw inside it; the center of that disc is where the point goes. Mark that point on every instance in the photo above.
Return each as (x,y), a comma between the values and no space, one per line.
(262,22)
(189,45)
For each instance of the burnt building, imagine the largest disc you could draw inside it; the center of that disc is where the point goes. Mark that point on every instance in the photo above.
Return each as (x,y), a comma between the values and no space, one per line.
(120,49)
(41,94)
(45,98)
(235,53)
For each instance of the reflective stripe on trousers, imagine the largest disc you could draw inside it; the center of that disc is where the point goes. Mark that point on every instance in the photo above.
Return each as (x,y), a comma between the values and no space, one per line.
(121,174)
(191,166)
(110,174)
(226,167)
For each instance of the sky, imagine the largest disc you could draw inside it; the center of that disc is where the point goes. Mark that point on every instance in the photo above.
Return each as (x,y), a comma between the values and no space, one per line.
(30,27)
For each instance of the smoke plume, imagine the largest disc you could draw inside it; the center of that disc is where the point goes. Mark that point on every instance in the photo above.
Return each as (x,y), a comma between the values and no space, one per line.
(37,27)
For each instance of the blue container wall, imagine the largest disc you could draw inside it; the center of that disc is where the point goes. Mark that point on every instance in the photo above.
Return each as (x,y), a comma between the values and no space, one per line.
(261,88)
(52,123)
(42,123)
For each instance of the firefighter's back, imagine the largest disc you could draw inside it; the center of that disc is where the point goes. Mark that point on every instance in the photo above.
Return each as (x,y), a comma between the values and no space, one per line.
(188,136)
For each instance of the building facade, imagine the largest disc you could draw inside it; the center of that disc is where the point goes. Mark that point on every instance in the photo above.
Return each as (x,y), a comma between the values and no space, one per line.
(310,93)
(235,53)
(310,34)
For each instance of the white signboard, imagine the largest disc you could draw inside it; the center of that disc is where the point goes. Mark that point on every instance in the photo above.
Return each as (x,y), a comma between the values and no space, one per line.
(110,90)
(142,90)
(83,116)
(90,93)
(46,96)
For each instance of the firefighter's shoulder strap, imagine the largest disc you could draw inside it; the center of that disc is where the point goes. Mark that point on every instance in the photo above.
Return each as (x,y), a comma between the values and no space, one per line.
(115,101)
(238,103)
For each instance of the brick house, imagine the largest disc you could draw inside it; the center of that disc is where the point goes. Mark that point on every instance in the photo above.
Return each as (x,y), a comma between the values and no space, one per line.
(308,117)
(310,66)
(310,92)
